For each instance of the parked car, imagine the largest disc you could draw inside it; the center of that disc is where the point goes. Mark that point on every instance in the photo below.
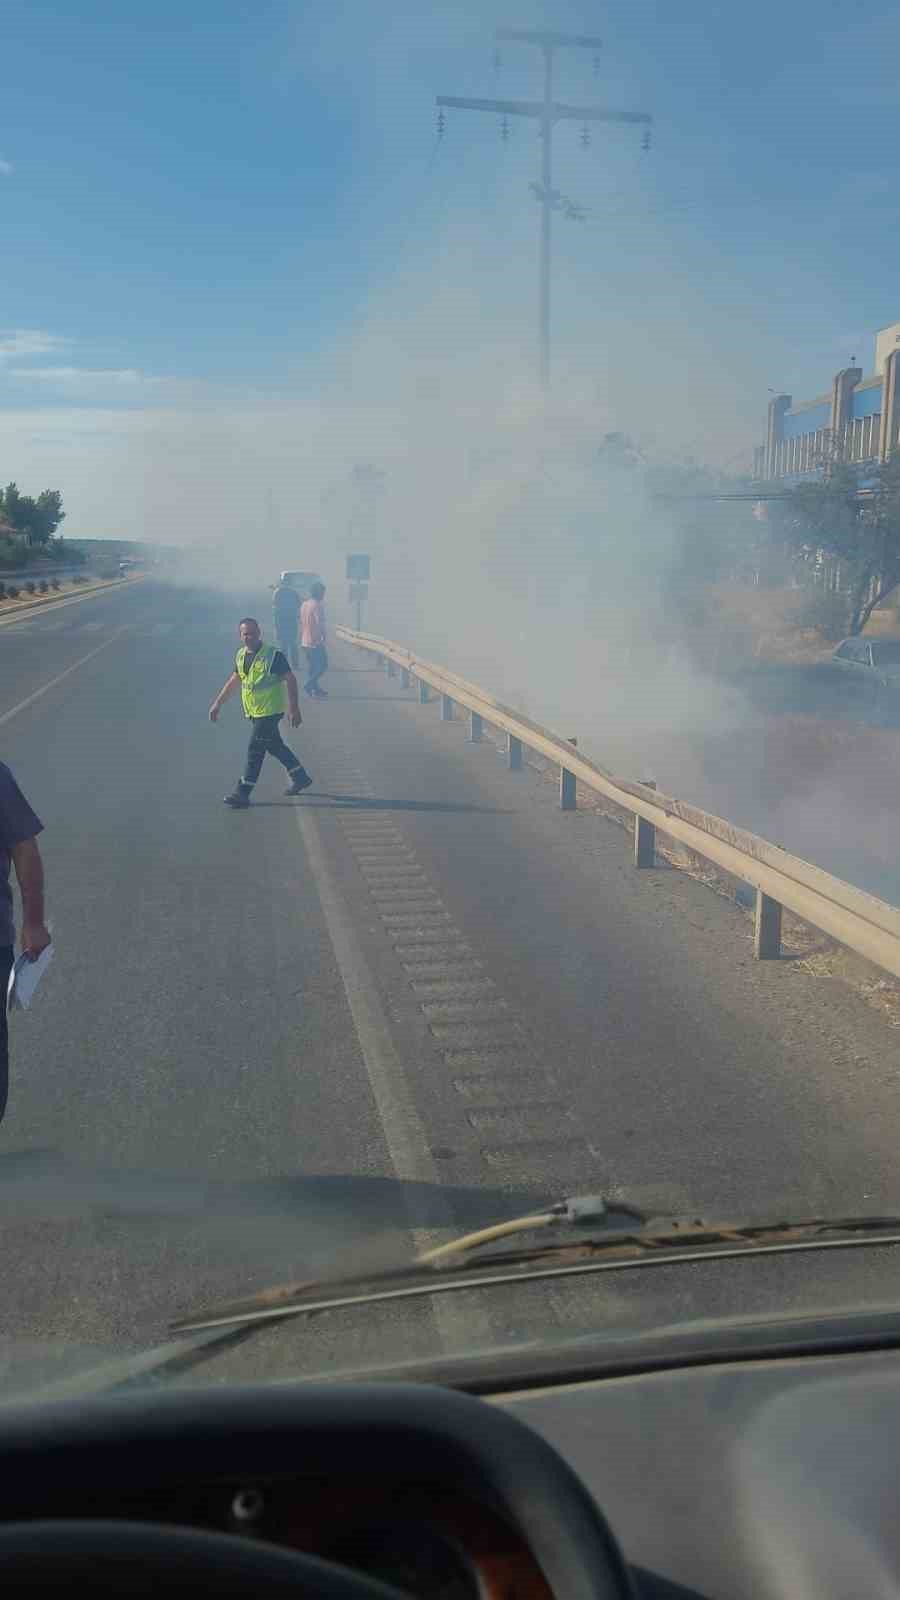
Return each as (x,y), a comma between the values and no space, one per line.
(869,669)
(300,581)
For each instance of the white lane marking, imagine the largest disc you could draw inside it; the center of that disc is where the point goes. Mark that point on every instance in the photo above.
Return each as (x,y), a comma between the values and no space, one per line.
(46,687)
(460,1326)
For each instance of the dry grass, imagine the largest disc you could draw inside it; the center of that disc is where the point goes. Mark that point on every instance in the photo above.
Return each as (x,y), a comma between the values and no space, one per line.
(785,627)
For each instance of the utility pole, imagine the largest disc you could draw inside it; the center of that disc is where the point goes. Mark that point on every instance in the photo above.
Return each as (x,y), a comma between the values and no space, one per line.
(548,112)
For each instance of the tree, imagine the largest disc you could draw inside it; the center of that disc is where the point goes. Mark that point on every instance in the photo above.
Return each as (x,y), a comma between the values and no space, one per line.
(36,521)
(48,515)
(832,520)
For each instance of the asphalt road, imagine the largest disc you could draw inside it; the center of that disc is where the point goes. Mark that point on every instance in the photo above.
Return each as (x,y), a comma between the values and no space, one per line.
(327,1030)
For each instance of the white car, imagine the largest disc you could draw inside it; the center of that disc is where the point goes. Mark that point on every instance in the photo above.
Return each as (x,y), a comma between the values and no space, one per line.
(300,581)
(870,667)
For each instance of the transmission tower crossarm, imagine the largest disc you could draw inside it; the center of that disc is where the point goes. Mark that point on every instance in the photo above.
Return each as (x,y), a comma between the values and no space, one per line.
(536,108)
(549,40)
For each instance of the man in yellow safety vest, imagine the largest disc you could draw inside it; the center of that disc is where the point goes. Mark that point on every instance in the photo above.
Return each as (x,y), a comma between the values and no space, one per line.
(262,674)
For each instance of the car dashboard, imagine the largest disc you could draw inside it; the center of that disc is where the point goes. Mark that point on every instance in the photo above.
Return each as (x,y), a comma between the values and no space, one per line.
(424,1539)
(738,1478)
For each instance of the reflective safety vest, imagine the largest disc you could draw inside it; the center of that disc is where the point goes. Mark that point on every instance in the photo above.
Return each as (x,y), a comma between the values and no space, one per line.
(262,693)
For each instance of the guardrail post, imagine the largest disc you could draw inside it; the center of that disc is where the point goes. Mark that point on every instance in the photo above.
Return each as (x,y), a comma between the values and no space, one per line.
(644,838)
(514,754)
(404,678)
(767,929)
(424,693)
(568,794)
(446,708)
(391,667)
(476,727)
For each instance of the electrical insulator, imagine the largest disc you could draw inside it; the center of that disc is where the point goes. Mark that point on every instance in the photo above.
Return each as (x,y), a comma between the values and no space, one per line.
(504,129)
(498,62)
(585,137)
(596,64)
(441,123)
(645,142)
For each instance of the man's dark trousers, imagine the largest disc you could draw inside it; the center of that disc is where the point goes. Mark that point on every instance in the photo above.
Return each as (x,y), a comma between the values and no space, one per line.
(266,740)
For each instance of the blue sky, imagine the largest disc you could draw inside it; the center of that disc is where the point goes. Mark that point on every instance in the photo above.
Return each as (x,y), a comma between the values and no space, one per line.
(226,208)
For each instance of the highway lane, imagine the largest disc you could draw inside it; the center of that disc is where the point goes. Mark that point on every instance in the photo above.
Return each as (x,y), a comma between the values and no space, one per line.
(189,1114)
(41,644)
(258,1022)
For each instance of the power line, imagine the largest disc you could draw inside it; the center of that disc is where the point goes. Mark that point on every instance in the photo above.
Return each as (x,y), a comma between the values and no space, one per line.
(548,112)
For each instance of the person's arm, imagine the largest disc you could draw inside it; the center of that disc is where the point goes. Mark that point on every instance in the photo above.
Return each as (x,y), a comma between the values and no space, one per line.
(293,700)
(225,693)
(26,858)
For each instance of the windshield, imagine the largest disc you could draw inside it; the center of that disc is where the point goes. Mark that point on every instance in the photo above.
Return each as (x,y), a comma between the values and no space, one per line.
(443,449)
(886,653)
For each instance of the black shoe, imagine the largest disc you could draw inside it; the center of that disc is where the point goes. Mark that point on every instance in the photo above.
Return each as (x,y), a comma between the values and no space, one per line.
(239,799)
(299,784)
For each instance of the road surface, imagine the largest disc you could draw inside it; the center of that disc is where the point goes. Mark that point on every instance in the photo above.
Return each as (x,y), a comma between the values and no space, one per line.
(328,1030)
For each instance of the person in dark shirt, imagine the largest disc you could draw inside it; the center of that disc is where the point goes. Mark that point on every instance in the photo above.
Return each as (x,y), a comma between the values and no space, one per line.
(286,612)
(262,674)
(19,828)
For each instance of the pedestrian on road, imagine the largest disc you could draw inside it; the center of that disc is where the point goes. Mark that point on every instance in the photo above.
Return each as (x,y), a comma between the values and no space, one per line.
(262,674)
(286,611)
(19,828)
(312,638)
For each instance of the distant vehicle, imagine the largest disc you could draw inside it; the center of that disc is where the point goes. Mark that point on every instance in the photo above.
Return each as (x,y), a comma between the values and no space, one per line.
(300,581)
(869,669)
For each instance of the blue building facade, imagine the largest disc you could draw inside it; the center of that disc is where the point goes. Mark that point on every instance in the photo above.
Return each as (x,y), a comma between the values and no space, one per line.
(857,421)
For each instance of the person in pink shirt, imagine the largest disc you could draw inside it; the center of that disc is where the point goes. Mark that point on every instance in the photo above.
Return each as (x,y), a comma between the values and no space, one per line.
(312,638)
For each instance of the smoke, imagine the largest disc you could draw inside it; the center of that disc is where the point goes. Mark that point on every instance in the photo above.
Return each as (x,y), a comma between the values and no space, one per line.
(412,426)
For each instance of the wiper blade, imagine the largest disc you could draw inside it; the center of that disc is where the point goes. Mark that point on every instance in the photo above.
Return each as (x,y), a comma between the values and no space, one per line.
(279,1299)
(655,1239)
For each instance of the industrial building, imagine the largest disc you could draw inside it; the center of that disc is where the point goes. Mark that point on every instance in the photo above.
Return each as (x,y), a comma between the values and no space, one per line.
(858,421)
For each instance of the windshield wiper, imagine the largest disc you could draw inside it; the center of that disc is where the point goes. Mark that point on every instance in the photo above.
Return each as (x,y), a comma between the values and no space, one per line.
(629,1238)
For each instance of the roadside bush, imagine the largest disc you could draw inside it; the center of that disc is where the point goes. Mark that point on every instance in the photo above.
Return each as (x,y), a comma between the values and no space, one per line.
(42,586)
(31,586)
(12,592)
(54,584)
(2,591)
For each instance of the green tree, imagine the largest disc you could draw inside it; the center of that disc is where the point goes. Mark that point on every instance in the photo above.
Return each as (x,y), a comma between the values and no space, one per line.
(10,505)
(48,515)
(833,520)
(34,520)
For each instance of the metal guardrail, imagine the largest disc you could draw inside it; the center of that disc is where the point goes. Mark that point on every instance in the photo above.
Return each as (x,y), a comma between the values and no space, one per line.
(860,921)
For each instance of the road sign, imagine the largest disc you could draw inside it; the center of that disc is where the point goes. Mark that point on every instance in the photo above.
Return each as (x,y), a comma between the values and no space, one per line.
(358,569)
(358,591)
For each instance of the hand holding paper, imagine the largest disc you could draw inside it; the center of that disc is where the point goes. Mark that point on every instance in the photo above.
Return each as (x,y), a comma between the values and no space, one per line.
(24,979)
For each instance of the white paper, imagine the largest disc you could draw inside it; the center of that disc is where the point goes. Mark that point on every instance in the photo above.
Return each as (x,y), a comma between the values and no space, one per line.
(24,979)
